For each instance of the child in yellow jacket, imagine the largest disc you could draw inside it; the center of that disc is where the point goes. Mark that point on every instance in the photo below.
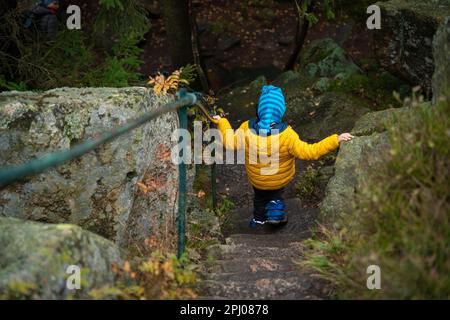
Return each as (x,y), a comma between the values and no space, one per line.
(267,137)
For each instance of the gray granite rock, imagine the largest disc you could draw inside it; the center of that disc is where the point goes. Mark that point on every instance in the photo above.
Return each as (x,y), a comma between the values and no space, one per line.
(99,190)
(34,260)
(404,45)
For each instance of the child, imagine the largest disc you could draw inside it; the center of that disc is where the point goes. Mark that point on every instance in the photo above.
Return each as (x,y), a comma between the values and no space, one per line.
(45,14)
(268,125)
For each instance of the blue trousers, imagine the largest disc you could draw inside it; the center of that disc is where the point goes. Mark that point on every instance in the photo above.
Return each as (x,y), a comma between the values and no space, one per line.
(261,198)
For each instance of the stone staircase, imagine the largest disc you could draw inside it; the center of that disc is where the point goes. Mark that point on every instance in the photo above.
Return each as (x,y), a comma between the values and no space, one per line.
(260,264)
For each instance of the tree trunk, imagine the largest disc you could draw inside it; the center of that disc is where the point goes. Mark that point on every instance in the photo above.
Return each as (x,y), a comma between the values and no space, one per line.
(300,37)
(196,51)
(176,22)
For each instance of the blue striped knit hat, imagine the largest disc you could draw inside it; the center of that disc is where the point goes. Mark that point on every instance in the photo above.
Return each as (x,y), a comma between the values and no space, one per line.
(271,107)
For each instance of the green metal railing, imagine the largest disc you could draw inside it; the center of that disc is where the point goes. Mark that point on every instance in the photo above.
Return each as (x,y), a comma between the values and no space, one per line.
(11,174)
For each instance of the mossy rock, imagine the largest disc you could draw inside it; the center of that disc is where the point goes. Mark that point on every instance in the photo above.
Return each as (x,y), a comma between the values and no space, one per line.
(34,258)
(380,121)
(441,47)
(404,45)
(356,158)
(98,190)
(374,89)
(325,58)
(316,117)
(342,186)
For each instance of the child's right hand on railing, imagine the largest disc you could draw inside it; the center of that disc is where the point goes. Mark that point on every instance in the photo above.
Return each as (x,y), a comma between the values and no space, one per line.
(217,117)
(345,137)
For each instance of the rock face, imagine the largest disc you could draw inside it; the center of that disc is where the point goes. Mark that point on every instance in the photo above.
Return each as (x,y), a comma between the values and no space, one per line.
(35,258)
(356,157)
(441,77)
(348,172)
(99,190)
(404,43)
(260,264)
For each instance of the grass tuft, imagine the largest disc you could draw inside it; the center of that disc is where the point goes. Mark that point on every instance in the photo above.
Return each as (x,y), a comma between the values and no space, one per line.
(401,219)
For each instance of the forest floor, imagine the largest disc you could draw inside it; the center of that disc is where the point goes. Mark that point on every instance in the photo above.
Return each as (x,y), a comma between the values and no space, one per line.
(241,40)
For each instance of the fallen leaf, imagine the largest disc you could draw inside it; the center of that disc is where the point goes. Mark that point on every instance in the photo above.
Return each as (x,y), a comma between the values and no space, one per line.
(201,194)
(126,266)
(142,187)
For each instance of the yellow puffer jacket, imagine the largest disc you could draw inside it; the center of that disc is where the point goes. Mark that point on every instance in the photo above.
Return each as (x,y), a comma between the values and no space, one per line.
(262,174)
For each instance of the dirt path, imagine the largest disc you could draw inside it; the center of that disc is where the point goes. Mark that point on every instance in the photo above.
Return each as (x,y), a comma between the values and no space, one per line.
(261,264)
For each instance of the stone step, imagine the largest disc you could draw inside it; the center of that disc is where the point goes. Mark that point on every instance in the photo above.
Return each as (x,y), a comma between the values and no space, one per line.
(263,288)
(254,265)
(251,277)
(238,251)
(260,263)
(266,240)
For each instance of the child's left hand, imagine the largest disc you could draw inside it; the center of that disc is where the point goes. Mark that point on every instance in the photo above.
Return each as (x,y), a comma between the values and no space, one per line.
(345,137)
(217,117)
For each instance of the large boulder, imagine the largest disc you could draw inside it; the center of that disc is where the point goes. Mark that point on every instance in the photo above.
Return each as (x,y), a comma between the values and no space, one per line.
(356,158)
(441,77)
(404,43)
(348,172)
(97,191)
(35,259)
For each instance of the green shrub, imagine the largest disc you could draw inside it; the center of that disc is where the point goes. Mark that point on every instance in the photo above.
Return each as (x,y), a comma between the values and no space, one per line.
(119,69)
(161,275)
(76,58)
(307,183)
(9,85)
(401,219)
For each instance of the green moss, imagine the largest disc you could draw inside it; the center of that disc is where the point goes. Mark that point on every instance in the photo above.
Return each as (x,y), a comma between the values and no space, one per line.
(376,89)
(75,124)
(325,58)
(18,290)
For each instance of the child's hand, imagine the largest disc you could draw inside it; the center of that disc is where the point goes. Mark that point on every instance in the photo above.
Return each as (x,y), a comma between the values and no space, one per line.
(345,137)
(217,117)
